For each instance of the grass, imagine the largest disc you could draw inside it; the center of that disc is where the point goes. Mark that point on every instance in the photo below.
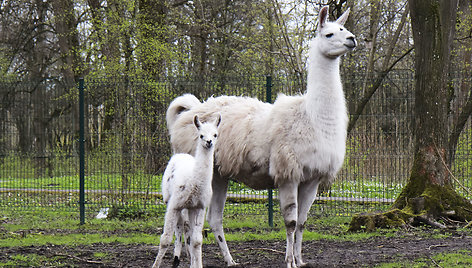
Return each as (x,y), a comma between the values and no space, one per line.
(63,192)
(451,260)
(366,189)
(62,228)
(72,239)
(33,260)
(92,182)
(102,173)
(46,227)
(141,182)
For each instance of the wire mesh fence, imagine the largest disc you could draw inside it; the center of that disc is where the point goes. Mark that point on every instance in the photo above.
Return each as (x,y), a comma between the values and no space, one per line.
(127,144)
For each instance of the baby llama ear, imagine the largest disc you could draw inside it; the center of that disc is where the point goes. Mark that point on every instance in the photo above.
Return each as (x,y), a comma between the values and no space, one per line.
(218,120)
(323,17)
(196,121)
(342,20)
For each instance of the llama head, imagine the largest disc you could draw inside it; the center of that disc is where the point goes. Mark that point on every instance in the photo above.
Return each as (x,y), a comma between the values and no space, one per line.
(207,132)
(333,39)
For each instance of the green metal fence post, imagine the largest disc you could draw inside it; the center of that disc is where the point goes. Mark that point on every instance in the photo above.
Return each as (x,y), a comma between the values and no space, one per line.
(81,152)
(270,206)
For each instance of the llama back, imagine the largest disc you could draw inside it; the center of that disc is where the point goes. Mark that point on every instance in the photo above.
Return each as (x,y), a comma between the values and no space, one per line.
(242,148)
(179,105)
(260,140)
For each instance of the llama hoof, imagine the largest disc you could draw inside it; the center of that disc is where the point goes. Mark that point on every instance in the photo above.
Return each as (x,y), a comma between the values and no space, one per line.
(176,262)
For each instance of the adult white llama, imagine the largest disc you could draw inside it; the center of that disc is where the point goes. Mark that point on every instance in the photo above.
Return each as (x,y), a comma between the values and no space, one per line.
(186,188)
(292,145)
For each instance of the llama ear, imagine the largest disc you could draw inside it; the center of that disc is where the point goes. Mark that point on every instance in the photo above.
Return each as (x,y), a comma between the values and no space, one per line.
(323,17)
(342,20)
(218,120)
(196,121)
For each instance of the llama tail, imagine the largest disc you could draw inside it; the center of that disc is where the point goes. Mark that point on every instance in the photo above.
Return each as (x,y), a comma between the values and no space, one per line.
(179,105)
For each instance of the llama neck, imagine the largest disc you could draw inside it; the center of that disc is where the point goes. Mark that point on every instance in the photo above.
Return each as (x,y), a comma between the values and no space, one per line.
(204,164)
(325,96)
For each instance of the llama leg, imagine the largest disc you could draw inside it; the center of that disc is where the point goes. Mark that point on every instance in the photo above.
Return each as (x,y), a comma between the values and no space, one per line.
(196,219)
(306,195)
(215,216)
(288,204)
(178,240)
(166,237)
(186,230)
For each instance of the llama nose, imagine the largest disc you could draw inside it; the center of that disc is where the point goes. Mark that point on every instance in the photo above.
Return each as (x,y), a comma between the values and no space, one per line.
(209,143)
(351,42)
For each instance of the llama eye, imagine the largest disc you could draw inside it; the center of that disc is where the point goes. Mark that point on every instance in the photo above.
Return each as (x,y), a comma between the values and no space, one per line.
(215,135)
(329,35)
(201,136)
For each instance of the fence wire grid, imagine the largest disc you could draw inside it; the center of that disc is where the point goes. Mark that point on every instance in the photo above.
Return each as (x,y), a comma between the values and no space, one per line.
(127,144)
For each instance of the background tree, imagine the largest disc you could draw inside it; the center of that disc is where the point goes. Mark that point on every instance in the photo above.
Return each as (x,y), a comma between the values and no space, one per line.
(461,96)
(429,194)
(379,65)
(50,43)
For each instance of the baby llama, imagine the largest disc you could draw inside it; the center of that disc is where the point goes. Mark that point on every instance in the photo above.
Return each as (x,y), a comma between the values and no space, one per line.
(292,145)
(186,188)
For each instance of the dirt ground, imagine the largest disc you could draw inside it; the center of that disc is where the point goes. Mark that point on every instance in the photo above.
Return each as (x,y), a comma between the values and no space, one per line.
(365,253)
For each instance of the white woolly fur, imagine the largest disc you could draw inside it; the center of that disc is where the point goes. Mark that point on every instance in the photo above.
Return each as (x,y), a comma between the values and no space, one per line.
(291,145)
(186,189)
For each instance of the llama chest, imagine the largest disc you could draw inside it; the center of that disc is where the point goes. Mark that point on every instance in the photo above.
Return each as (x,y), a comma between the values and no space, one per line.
(327,157)
(307,145)
(327,146)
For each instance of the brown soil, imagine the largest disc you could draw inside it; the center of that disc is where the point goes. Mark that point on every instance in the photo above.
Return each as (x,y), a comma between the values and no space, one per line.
(323,253)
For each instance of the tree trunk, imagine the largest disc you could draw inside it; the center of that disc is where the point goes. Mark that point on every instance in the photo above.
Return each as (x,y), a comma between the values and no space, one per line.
(71,62)
(429,193)
(38,94)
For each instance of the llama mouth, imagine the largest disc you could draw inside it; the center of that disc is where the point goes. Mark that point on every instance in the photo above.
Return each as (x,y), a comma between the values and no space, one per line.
(350,42)
(350,46)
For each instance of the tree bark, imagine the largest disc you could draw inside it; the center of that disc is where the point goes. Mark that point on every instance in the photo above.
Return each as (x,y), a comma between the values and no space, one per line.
(68,40)
(38,94)
(433,31)
(429,193)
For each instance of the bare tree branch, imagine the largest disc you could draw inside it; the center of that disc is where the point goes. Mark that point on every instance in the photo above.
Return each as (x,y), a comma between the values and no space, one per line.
(385,70)
(372,89)
(294,57)
(458,127)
